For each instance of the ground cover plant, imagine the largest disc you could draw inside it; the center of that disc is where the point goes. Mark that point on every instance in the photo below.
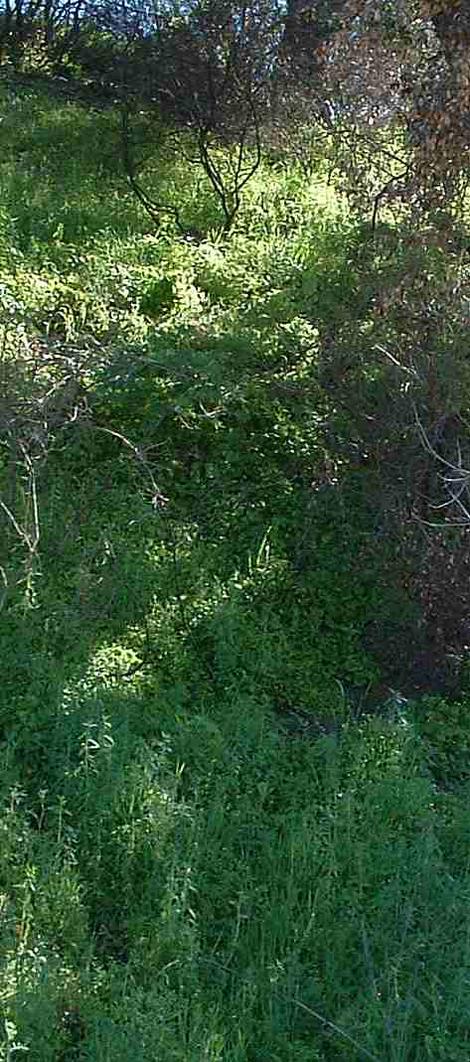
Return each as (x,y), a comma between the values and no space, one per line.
(234,702)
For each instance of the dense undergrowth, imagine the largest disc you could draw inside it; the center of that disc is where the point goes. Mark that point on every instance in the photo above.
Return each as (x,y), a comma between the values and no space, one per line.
(225,834)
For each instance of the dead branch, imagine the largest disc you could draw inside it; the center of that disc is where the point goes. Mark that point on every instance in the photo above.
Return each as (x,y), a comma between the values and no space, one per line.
(153,208)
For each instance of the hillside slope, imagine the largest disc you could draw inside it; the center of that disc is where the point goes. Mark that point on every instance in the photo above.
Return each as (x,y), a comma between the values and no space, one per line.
(225,835)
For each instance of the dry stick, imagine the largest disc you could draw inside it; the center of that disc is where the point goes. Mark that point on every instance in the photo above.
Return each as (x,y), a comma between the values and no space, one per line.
(158,500)
(154,209)
(429,447)
(336,1028)
(230,196)
(462,479)
(34,498)
(137,453)
(31,543)
(19,530)
(382,194)
(4,579)
(215,176)
(395,361)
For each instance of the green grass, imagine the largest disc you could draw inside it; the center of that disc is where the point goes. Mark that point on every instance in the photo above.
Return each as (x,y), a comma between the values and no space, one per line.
(187,872)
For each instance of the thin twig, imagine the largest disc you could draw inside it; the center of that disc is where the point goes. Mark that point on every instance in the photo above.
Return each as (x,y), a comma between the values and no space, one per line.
(459,478)
(158,498)
(159,501)
(336,1028)
(23,535)
(153,209)
(383,192)
(395,361)
(4,579)
(429,447)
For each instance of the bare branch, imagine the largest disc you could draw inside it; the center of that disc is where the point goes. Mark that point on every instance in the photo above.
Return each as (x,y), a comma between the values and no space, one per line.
(153,209)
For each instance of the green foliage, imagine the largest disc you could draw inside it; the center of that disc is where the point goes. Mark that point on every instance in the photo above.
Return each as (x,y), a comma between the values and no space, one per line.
(159,297)
(210,848)
(445,731)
